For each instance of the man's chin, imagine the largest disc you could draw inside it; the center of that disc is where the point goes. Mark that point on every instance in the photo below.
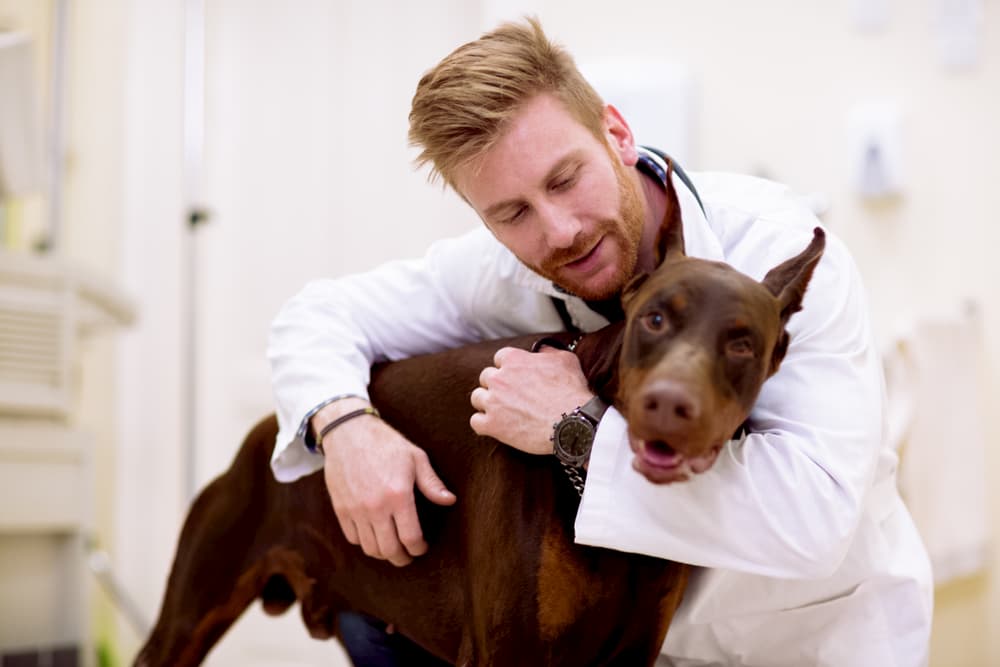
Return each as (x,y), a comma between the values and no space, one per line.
(598,288)
(588,292)
(601,295)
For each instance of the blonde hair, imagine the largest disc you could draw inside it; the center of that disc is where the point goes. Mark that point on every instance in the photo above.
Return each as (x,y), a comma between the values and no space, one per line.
(461,106)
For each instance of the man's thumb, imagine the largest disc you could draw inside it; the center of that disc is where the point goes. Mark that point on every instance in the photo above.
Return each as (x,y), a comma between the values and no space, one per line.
(430,484)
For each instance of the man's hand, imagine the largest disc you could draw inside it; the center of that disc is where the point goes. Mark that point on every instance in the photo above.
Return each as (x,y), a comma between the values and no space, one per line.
(370,470)
(524,394)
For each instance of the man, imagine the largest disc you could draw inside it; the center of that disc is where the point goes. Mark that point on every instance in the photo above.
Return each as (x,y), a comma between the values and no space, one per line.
(811,557)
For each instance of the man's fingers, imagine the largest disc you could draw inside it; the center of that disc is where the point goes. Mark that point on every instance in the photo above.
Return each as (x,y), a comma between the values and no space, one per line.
(478,399)
(486,375)
(503,353)
(408,530)
(348,527)
(478,423)
(389,545)
(429,483)
(369,544)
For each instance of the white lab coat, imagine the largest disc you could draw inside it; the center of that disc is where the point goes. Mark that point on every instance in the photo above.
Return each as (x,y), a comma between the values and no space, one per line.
(811,557)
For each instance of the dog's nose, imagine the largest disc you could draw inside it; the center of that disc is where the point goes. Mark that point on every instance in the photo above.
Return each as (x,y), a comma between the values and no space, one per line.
(669,403)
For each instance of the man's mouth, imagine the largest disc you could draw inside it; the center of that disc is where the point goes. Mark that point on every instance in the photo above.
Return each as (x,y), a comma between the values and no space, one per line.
(584,261)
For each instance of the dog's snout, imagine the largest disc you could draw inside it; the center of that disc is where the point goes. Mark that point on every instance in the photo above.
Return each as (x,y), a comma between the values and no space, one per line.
(669,402)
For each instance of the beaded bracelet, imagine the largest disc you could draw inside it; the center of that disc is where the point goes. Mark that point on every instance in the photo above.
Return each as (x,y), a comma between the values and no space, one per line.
(340,420)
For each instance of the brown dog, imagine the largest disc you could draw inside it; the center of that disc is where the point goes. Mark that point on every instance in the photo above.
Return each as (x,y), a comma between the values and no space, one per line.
(503,582)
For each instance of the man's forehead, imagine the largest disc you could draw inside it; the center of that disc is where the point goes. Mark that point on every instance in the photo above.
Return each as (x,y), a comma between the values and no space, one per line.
(540,138)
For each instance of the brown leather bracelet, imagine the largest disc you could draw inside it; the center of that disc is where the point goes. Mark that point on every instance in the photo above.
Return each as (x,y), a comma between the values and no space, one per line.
(369,410)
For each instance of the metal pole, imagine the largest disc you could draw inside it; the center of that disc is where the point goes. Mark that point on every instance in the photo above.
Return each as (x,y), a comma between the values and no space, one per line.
(99,563)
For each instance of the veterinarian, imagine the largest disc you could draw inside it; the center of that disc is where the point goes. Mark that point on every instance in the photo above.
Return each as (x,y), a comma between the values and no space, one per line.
(810,556)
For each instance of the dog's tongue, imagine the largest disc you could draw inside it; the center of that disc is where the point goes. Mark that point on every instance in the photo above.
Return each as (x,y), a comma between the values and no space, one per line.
(658,453)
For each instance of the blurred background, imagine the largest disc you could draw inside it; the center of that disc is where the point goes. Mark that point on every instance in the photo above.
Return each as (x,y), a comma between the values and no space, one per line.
(172,170)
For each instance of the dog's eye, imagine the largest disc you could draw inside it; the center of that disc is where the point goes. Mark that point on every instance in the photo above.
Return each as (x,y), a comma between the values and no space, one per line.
(739,347)
(655,321)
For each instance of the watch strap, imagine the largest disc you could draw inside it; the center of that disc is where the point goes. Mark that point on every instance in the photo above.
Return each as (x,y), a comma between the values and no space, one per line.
(577,476)
(593,410)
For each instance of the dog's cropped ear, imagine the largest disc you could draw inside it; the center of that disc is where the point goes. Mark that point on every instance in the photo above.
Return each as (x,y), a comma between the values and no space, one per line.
(788,281)
(670,237)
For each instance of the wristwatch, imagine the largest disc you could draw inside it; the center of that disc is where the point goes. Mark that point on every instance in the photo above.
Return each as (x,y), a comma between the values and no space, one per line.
(573,435)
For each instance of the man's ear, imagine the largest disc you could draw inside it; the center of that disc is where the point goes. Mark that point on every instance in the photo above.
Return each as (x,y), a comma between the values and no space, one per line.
(788,281)
(619,136)
(670,237)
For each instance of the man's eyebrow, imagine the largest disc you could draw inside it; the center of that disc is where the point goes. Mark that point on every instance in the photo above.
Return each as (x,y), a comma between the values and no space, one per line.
(559,166)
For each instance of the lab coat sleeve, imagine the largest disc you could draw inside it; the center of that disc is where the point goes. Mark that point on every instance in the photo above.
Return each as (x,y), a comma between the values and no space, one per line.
(786,500)
(325,339)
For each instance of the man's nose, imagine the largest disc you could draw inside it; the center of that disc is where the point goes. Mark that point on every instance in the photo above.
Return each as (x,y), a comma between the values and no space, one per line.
(560,227)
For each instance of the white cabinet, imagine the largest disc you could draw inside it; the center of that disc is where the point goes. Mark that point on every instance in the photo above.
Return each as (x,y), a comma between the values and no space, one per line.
(46,474)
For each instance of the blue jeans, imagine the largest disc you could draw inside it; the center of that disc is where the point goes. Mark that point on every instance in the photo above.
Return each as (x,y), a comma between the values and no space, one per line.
(369,645)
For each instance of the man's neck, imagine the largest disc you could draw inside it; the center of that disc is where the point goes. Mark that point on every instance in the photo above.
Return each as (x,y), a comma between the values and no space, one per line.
(655,200)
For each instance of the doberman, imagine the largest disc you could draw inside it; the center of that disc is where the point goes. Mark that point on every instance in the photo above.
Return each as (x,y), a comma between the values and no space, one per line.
(503,582)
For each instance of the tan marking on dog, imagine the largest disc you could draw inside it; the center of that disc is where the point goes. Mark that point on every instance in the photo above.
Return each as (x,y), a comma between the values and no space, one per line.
(560,595)
(679,302)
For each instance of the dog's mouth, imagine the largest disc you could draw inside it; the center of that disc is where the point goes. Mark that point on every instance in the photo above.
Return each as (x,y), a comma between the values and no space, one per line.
(660,454)
(661,463)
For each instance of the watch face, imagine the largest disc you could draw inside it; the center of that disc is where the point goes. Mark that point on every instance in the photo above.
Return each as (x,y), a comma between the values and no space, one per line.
(575,436)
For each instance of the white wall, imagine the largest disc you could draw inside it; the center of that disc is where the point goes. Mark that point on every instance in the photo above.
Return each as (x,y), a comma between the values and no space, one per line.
(150,399)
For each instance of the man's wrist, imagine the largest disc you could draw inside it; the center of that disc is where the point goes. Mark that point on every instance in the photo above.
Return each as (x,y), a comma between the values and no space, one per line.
(331,412)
